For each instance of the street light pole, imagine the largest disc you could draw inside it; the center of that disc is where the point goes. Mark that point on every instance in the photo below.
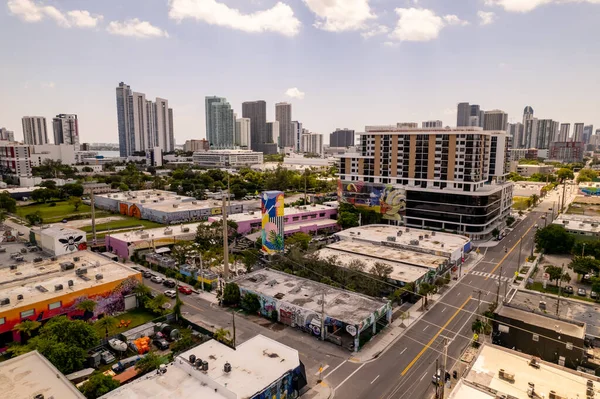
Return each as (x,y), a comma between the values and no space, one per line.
(583,250)
(201,272)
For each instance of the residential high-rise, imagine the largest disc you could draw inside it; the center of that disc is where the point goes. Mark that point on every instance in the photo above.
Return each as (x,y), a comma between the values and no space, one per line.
(588,130)
(547,132)
(196,145)
(283,115)
(312,143)
(143,124)
(432,124)
(407,125)
(437,179)
(463,114)
(34,130)
(517,132)
(66,129)
(342,138)
(257,112)
(297,130)
(274,133)
(6,135)
(477,115)
(220,123)
(577,132)
(242,132)
(16,158)
(564,132)
(495,120)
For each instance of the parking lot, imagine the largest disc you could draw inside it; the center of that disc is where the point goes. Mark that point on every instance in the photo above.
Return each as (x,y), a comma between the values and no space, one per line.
(576,287)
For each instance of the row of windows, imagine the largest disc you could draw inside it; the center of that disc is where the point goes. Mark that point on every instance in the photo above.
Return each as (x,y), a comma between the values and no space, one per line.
(31,312)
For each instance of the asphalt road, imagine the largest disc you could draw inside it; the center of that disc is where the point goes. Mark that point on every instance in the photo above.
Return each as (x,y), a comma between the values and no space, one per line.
(406,369)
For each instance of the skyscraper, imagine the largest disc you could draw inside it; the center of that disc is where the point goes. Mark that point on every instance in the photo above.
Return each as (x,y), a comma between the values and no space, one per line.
(283,115)
(342,138)
(297,130)
(462,115)
(143,124)
(517,132)
(547,133)
(6,135)
(220,123)
(312,143)
(34,130)
(577,132)
(66,129)
(257,112)
(588,130)
(242,132)
(529,127)
(495,120)
(476,116)
(274,133)
(432,124)
(564,132)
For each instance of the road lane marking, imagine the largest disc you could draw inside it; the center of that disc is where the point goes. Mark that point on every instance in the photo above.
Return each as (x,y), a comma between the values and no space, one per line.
(458,293)
(509,252)
(471,282)
(323,369)
(426,327)
(424,375)
(444,309)
(333,371)
(347,378)
(375,379)
(403,350)
(434,338)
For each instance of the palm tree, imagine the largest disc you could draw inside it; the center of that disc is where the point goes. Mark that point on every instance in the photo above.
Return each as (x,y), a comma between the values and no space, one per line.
(534,199)
(107,322)
(88,306)
(222,335)
(26,328)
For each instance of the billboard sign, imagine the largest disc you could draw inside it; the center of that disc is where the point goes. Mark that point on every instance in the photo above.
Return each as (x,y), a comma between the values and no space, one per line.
(272,221)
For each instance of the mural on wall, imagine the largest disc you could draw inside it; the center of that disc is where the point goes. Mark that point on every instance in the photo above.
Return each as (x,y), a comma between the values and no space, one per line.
(373,317)
(73,243)
(281,389)
(8,236)
(272,221)
(387,200)
(123,208)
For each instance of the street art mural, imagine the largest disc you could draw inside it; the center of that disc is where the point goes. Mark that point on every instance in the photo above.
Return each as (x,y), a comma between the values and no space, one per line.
(130,210)
(373,317)
(272,221)
(387,200)
(281,389)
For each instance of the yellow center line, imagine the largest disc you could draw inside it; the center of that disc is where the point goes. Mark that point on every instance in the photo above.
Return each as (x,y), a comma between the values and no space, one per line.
(509,252)
(434,337)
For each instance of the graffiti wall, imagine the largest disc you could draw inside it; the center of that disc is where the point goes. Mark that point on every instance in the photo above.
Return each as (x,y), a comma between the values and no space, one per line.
(272,221)
(388,200)
(280,389)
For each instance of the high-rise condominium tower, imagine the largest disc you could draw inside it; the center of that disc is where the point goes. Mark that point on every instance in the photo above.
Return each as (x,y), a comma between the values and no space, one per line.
(564,132)
(257,112)
(6,135)
(588,130)
(220,123)
(578,132)
(66,129)
(274,133)
(34,130)
(516,131)
(242,132)
(495,120)
(283,115)
(462,114)
(143,124)
(297,129)
(342,138)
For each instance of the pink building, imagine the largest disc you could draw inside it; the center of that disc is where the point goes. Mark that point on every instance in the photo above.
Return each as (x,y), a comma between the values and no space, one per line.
(306,219)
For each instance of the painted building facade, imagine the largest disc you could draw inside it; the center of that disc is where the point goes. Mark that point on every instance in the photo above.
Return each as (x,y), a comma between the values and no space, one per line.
(272,210)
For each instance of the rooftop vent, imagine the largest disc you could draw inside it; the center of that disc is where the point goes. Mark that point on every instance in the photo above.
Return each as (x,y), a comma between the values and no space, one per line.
(70,283)
(192,358)
(198,363)
(79,272)
(227,367)
(99,276)
(67,266)
(433,233)
(168,231)
(175,205)
(279,295)
(195,202)
(13,267)
(58,287)
(20,297)
(76,258)
(542,305)
(185,229)
(41,288)
(204,365)
(4,301)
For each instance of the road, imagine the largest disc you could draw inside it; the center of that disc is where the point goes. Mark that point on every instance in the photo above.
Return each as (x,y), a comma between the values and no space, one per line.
(406,369)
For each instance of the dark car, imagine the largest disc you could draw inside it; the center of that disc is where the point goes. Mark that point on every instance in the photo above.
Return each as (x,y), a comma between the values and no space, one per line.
(147,274)
(569,289)
(161,343)
(581,292)
(169,283)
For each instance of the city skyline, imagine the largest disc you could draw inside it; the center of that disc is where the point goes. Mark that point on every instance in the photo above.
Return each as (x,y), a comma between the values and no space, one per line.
(319,61)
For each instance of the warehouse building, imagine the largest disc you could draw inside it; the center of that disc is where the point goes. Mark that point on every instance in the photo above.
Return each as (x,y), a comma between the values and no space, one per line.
(59,240)
(343,317)
(53,287)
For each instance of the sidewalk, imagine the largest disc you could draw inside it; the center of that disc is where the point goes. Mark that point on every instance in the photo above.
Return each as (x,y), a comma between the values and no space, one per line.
(321,390)
(382,341)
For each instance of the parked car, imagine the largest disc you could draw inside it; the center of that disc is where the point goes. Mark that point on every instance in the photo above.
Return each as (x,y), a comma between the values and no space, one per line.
(569,289)
(161,343)
(171,293)
(137,268)
(581,292)
(593,295)
(169,283)
(185,290)
(107,357)
(64,220)
(156,279)
(147,274)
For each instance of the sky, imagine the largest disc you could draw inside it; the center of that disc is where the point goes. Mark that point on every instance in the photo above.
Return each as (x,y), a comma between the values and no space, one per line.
(340,63)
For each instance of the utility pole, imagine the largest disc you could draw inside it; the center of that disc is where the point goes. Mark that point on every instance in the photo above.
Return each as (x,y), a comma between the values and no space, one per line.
(520,246)
(225,243)
(437,385)
(498,292)
(562,270)
(478,292)
(445,365)
(93,216)
(305,202)
(583,250)
(323,315)
(201,272)
(233,323)
(562,207)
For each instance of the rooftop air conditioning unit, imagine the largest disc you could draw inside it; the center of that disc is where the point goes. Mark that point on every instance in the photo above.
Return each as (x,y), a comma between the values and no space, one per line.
(99,276)
(67,266)
(58,287)
(20,297)
(426,235)
(185,229)
(13,267)
(175,205)
(70,283)
(168,232)
(79,272)
(250,212)
(4,301)
(391,238)
(433,233)
(227,367)
(542,305)
(195,202)
(76,258)
(145,235)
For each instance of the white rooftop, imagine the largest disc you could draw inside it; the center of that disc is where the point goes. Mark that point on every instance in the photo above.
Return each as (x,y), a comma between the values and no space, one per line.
(549,377)
(28,375)
(579,222)
(48,274)
(158,232)
(193,205)
(346,306)
(288,211)
(59,230)
(136,197)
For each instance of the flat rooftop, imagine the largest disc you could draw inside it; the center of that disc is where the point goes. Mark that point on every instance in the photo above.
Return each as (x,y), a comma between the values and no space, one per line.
(401,271)
(549,377)
(60,230)
(288,228)
(579,222)
(192,205)
(569,309)
(377,233)
(31,374)
(378,252)
(349,307)
(288,211)
(136,197)
(175,230)
(46,274)
(543,321)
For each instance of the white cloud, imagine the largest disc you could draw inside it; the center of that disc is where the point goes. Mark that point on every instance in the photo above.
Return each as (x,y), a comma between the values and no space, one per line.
(295,93)
(374,31)
(421,25)
(84,19)
(486,18)
(390,44)
(135,28)
(279,18)
(31,11)
(529,5)
(340,15)
(48,85)
(449,111)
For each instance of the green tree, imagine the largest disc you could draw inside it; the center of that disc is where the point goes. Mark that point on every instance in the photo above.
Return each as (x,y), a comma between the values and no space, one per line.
(495,232)
(222,335)
(556,274)
(87,306)
(251,303)
(301,240)
(426,289)
(347,220)
(98,385)
(76,202)
(596,286)
(381,270)
(565,174)
(231,295)
(34,218)
(534,199)
(41,194)
(150,362)
(123,187)
(584,265)
(554,239)
(107,322)
(7,202)
(586,175)
(185,342)
(156,304)
(26,328)
(510,220)
(143,294)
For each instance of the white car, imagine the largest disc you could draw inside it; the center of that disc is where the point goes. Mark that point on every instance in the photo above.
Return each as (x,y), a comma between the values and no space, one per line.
(156,279)
(170,293)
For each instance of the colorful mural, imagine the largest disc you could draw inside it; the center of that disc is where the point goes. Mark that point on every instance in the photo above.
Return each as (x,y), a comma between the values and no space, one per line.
(281,389)
(387,200)
(272,221)
(130,210)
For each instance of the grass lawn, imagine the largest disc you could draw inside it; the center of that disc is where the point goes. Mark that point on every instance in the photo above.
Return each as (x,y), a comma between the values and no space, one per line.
(137,317)
(552,289)
(51,214)
(122,224)
(520,203)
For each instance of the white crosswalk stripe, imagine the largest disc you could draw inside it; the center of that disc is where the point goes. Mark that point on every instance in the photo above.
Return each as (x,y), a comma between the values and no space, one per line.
(494,276)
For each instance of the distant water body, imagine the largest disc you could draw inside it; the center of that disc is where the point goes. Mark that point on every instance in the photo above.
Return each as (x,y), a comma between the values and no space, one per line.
(109,154)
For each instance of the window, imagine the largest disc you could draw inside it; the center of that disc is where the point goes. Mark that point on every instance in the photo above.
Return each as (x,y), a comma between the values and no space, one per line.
(503,329)
(535,337)
(304,217)
(27,313)
(322,214)
(2,320)
(54,305)
(569,345)
(295,218)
